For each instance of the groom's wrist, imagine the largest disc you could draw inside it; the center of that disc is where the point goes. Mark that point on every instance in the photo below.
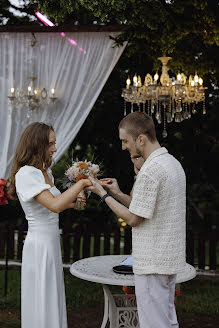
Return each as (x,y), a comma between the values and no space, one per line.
(117,195)
(104,197)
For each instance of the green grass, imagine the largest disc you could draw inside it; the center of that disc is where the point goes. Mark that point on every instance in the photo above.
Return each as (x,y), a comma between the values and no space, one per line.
(199,296)
(10,323)
(13,298)
(82,293)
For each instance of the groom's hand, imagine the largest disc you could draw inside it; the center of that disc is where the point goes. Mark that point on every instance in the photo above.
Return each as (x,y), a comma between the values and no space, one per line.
(111,184)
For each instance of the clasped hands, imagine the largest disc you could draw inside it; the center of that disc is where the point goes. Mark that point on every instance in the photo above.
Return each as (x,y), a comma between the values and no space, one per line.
(98,186)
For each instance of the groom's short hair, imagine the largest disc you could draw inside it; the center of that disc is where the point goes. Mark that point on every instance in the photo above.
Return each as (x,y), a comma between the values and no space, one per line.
(137,123)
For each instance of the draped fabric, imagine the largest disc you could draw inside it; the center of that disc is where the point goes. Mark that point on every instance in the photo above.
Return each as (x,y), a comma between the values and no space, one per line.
(77,65)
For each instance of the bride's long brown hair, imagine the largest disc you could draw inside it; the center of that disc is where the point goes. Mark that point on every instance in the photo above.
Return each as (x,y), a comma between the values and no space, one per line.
(31,150)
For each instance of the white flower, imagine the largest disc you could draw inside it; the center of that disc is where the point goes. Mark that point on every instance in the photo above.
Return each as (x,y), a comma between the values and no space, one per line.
(94,169)
(72,173)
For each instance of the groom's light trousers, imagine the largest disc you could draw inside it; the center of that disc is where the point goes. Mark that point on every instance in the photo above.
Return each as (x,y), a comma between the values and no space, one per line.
(155,300)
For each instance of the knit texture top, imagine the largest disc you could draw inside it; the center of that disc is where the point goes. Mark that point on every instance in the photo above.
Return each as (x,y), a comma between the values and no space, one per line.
(159,196)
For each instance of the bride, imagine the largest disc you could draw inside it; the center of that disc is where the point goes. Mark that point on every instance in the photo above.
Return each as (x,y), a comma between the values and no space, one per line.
(42,286)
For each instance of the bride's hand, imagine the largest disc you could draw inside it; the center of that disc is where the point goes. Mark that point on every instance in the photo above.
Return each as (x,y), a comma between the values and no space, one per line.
(96,187)
(86,183)
(73,204)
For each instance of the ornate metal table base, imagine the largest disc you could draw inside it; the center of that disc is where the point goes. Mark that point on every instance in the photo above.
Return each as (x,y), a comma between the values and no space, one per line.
(120,311)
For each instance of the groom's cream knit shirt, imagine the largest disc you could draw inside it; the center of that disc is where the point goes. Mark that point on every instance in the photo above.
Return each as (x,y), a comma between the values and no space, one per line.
(159,196)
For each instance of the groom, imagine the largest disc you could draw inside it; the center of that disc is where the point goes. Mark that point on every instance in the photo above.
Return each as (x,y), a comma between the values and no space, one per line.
(157,213)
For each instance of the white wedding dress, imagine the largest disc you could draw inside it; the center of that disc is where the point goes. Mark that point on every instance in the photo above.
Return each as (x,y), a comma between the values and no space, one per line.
(42,286)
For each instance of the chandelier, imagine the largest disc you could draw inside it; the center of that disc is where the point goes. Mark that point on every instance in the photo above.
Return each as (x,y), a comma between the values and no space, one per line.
(171,99)
(31,97)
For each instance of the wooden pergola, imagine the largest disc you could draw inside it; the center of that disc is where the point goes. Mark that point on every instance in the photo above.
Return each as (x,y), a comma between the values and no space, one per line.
(62,28)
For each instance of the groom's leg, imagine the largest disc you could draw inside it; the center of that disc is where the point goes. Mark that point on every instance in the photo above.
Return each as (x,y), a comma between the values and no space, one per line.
(172,309)
(153,301)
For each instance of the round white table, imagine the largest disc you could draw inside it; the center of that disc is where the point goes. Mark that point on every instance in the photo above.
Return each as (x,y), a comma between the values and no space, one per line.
(120,310)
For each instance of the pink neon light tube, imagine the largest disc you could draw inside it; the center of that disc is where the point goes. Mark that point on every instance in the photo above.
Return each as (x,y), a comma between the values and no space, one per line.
(43,19)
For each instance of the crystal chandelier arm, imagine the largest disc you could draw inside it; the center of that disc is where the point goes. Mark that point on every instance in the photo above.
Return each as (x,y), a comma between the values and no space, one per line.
(164,79)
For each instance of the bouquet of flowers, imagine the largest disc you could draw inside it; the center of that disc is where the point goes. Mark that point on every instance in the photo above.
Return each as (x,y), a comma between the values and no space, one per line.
(81,170)
(4,195)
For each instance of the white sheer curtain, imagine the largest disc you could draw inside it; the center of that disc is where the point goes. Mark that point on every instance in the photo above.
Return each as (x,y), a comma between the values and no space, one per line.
(77,65)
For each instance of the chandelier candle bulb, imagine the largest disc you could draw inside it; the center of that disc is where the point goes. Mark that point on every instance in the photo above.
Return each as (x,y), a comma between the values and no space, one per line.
(156,77)
(178,77)
(128,82)
(139,84)
(53,91)
(29,90)
(196,78)
(200,81)
(12,91)
(135,81)
(190,79)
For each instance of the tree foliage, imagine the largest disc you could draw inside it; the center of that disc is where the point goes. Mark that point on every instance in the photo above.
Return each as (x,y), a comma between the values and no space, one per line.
(21,14)
(184,29)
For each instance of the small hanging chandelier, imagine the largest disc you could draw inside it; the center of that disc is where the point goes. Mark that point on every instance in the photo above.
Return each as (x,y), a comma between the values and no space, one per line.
(169,100)
(31,97)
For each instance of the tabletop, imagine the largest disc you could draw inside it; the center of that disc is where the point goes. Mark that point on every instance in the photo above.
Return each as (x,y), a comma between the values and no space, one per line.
(99,269)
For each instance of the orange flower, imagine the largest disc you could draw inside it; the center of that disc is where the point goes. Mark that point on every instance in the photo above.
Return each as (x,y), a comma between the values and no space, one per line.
(80,177)
(127,290)
(82,165)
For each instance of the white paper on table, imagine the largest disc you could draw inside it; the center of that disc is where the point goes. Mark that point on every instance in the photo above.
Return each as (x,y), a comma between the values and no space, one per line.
(128,261)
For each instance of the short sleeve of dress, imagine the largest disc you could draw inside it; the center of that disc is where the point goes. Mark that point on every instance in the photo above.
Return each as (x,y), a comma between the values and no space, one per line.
(144,196)
(30,182)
